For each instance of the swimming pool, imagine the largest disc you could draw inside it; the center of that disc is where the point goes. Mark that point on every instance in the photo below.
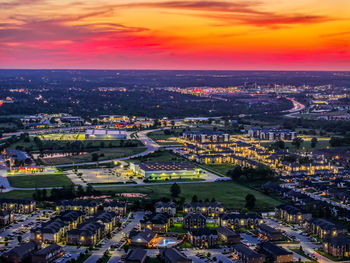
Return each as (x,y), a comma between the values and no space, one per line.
(166,242)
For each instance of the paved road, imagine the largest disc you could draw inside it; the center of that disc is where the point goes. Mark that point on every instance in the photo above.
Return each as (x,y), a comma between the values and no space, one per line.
(149,143)
(115,238)
(308,246)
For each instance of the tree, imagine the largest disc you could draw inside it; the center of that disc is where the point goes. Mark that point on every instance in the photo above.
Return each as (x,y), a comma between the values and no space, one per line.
(194,199)
(250,201)
(94,157)
(297,142)
(235,173)
(314,141)
(175,190)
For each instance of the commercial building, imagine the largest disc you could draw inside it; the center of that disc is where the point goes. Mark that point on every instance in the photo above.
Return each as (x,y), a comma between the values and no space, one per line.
(105,134)
(166,170)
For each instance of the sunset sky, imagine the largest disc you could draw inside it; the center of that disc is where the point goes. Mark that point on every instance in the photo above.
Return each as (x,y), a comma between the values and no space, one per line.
(171,34)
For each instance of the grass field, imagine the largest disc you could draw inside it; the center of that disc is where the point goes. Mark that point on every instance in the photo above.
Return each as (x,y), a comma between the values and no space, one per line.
(305,146)
(219,168)
(165,138)
(55,142)
(159,156)
(42,180)
(108,154)
(230,194)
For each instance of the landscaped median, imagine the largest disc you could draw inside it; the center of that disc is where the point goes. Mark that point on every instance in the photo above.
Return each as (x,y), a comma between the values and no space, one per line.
(39,180)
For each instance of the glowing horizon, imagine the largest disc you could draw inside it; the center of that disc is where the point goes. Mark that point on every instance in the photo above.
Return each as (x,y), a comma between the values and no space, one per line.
(172,34)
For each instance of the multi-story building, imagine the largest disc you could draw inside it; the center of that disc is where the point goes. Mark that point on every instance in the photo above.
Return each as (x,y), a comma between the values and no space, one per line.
(236,221)
(55,230)
(247,255)
(324,228)
(194,221)
(157,222)
(337,246)
(172,255)
(275,253)
(87,207)
(18,205)
(203,237)
(292,214)
(268,233)
(210,209)
(117,207)
(6,217)
(205,136)
(271,133)
(48,254)
(86,234)
(228,236)
(165,207)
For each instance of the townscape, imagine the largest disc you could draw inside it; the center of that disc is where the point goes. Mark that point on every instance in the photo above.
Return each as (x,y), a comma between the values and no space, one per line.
(265,182)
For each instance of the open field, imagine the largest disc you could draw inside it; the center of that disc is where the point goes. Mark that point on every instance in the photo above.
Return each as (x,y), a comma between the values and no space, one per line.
(232,195)
(159,156)
(219,168)
(161,138)
(42,180)
(104,154)
(64,144)
(322,143)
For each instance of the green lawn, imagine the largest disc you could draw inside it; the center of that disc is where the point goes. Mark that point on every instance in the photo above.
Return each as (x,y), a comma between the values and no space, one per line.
(17,194)
(159,156)
(306,145)
(61,142)
(39,180)
(232,195)
(165,138)
(219,168)
(108,154)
